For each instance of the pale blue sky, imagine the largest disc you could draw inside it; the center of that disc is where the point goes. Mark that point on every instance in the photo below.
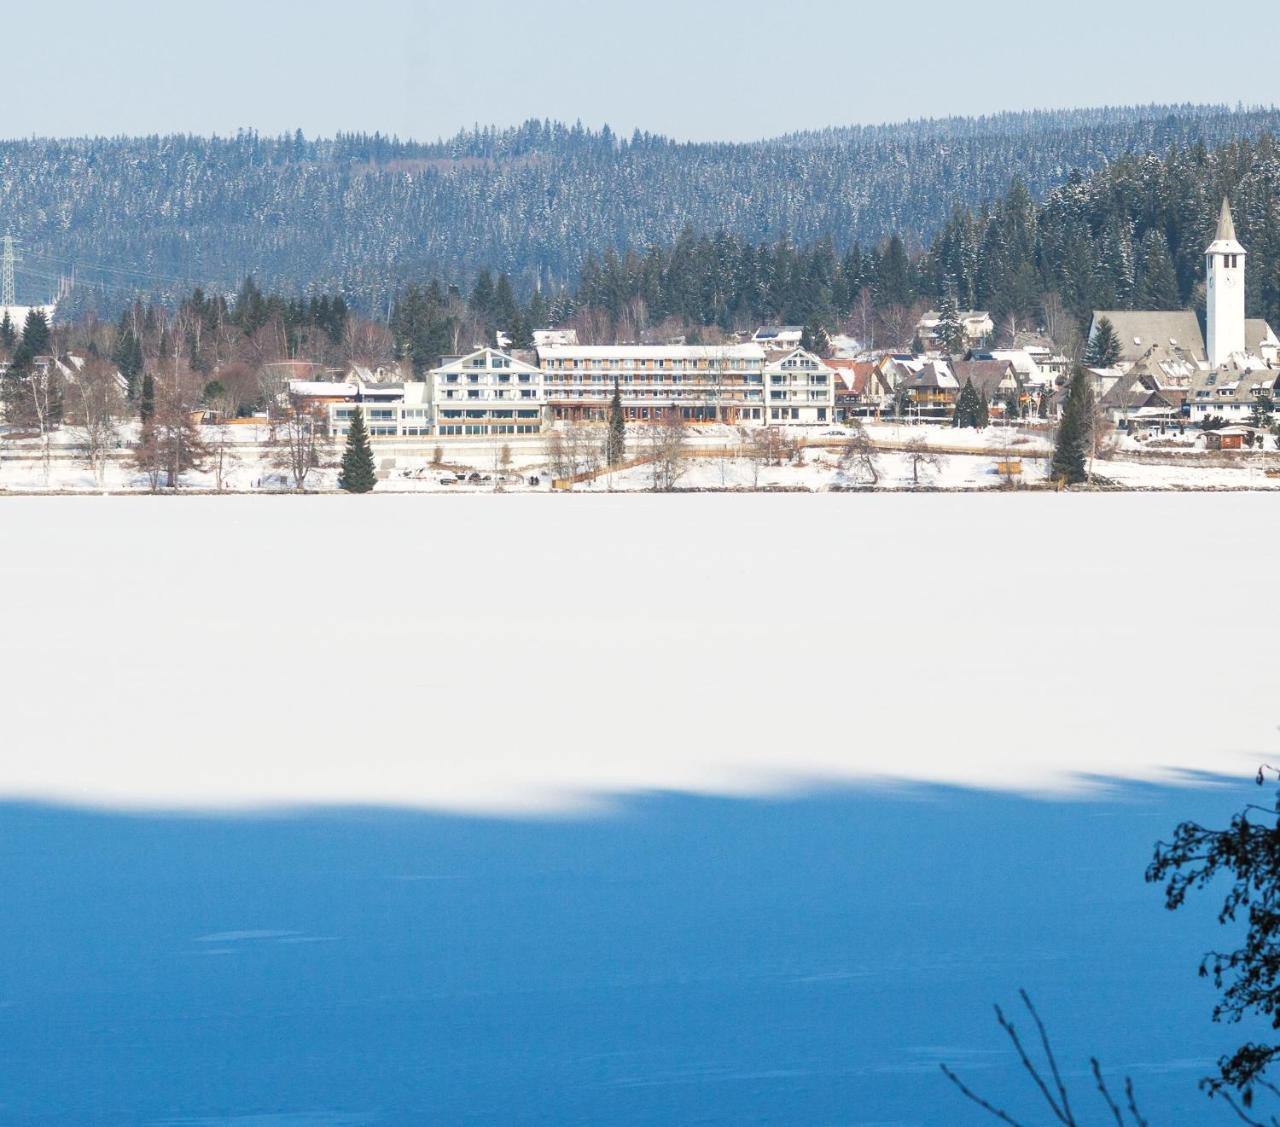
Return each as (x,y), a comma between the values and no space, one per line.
(731,69)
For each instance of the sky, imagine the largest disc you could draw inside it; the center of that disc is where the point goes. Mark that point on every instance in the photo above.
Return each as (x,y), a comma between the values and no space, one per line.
(692,69)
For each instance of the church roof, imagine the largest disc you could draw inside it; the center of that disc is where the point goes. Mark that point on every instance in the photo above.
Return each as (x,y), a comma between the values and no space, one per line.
(1225,242)
(1257,332)
(1226,225)
(1158,335)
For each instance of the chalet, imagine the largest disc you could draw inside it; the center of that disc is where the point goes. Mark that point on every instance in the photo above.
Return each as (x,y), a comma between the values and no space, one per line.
(997,381)
(930,387)
(778,338)
(978,328)
(862,388)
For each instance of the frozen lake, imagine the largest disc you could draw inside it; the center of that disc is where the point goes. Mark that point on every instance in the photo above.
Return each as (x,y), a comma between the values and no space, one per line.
(610,809)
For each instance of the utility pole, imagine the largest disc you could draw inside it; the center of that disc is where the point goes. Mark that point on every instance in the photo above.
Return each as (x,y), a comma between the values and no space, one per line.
(7,288)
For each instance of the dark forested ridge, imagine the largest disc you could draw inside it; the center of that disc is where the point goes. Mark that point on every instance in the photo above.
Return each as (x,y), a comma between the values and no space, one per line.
(364,215)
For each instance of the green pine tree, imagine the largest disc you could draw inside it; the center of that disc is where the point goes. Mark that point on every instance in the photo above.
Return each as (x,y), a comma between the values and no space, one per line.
(1075,432)
(616,443)
(1104,346)
(8,334)
(357,475)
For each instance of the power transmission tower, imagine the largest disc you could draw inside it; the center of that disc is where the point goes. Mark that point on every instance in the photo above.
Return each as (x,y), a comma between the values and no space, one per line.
(7,288)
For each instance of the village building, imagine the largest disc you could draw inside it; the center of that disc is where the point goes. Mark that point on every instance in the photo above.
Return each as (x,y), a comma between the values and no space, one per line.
(862,387)
(801,390)
(928,386)
(778,338)
(702,383)
(978,329)
(997,381)
(487,392)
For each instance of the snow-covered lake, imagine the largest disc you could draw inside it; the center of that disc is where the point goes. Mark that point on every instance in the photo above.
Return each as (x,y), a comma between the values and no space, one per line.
(706,808)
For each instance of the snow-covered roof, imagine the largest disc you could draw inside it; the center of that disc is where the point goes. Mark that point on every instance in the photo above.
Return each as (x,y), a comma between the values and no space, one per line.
(319,389)
(652,352)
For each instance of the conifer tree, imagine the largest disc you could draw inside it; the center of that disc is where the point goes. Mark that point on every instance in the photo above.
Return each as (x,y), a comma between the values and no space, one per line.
(8,334)
(1075,432)
(816,339)
(147,404)
(616,443)
(970,409)
(950,331)
(357,475)
(1104,346)
(35,333)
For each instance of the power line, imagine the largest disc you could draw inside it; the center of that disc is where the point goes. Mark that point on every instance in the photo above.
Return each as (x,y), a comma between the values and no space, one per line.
(8,290)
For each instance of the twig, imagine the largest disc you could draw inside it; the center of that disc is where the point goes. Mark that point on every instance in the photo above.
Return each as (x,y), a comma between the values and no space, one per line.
(1003,1116)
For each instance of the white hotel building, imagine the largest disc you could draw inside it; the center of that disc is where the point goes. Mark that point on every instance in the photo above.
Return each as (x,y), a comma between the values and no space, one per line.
(487,392)
(732,384)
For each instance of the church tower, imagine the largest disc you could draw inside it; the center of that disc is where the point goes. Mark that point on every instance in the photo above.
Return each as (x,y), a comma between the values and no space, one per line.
(1224,273)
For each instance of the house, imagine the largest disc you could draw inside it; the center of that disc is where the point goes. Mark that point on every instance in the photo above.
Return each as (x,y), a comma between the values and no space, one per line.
(544,338)
(391,410)
(704,383)
(978,328)
(779,338)
(861,387)
(801,389)
(487,392)
(929,386)
(1136,400)
(997,381)
(1232,391)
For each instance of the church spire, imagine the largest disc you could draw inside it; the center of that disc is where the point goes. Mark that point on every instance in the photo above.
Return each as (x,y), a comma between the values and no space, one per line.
(1226,226)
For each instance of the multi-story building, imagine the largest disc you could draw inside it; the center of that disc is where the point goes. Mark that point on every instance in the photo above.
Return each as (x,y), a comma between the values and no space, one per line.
(704,383)
(390,410)
(487,392)
(801,389)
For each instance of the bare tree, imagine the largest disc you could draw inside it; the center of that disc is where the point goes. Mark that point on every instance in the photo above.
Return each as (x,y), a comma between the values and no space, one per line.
(171,443)
(757,444)
(860,457)
(96,405)
(42,397)
(1048,1080)
(667,450)
(923,459)
(303,436)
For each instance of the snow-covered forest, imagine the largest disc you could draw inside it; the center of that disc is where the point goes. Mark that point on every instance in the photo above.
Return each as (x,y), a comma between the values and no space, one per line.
(365,215)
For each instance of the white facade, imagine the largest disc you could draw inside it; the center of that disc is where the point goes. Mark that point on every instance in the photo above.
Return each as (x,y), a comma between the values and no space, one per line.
(389,412)
(705,383)
(1224,298)
(801,390)
(487,392)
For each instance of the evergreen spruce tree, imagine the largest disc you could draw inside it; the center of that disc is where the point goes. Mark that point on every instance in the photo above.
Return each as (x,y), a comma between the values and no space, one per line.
(147,404)
(816,339)
(1104,347)
(616,443)
(1075,432)
(35,333)
(950,331)
(970,409)
(357,475)
(8,334)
